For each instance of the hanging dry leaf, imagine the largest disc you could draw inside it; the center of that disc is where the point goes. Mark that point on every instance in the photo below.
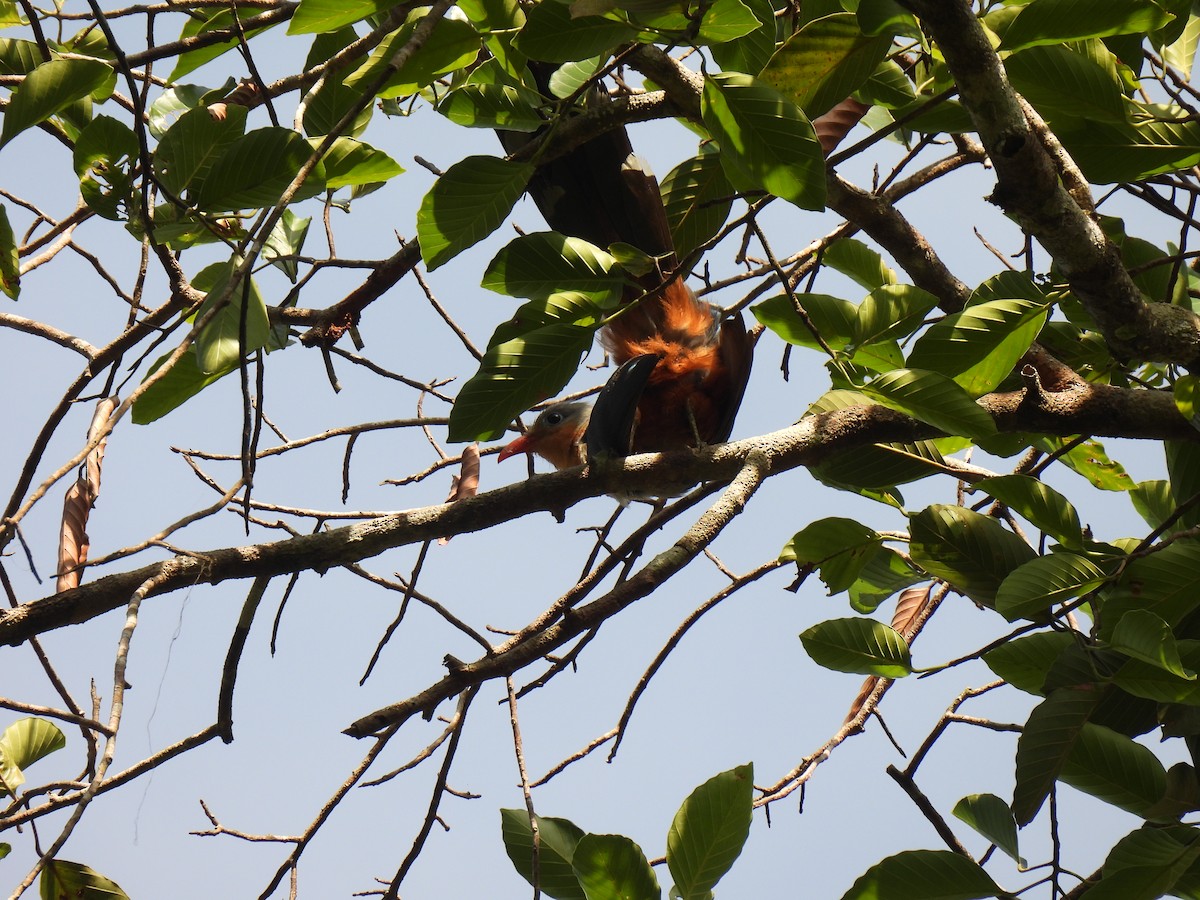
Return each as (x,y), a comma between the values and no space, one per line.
(81,496)
(466,484)
(835,124)
(908,609)
(868,686)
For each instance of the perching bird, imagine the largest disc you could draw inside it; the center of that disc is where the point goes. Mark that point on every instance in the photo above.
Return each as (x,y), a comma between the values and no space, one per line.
(682,368)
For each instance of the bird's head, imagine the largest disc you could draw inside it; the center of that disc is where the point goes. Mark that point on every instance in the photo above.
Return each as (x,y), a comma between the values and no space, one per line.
(556,436)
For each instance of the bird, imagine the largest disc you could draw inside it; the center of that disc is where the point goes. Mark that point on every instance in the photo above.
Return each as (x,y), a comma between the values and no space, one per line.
(682,364)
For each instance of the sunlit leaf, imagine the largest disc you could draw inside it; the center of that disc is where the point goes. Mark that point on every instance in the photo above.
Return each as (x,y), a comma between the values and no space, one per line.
(859,646)
(991,817)
(923,875)
(708,832)
(50,89)
(557,839)
(972,552)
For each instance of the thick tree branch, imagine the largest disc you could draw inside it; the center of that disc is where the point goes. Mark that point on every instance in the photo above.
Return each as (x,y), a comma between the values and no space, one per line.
(1031,190)
(1081,408)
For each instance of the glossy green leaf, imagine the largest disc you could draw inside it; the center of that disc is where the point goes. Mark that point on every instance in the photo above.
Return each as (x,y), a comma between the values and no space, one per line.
(752,51)
(1183,469)
(470,201)
(189,148)
(18,57)
(728,20)
(10,263)
(207,23)
(1035,588)
(974,553)
(1110,153)
(859,646)
(1153,682)
(709,831)
(316,16)
(612,867)
(1090,460)
(886,17)
(1062,80)
(885,572)
(61,878)
(333,99)
(493,106)
(1186,392)
(552,34)
(105,154)
(1154,502)
(1041,504)
(764,138)
(513,376)
(891,311)
(932,398)
(50,89)
(351,162)
(824,62)
(254,170)
(557,839)
(285,241)
(565,307)
(172,103)
(697,196)
(452,45)
(1166,583)
(991,817)
(839,548)
(180,384)
(858,262)
(1054,21)
(544,263)
(979,346)
(1143,635)
(923,875)
(1025,662)
(1116,769)
(832,317)
(219,344)
(22,744)
(1049,736)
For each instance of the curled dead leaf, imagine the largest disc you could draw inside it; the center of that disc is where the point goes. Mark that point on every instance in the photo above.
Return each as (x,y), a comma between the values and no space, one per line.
(73,543)
(908,609)
(466,484)
(836,124)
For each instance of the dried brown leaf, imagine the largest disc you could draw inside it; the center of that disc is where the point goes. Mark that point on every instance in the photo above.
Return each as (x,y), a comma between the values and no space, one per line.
(835,124)
(908,609)
(73,543)
(466,484)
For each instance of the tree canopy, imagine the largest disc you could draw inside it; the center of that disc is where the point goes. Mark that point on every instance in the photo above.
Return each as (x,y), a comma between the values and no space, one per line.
(964,232)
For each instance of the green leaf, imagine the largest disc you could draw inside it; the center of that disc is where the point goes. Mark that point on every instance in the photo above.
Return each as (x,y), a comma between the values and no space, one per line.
(314,16)
(552,34)
(175,101)
(979,346)
(890,312)
(1060,80)
(991,817)
(10,263)
(1089,460)
(833,318)
(22,744)
(505,106)
(885,573)
(189,148)
(452,45)
(1116,769)
(838,547)
(61,878)
(1025,662)
(709,831)
(18,57)
(697,196)
(1183,468)
(513,376)
(219,345)
(728,20)
(557,839)
(886,17)
(563,308)
(1186,391)
(1166,583)
(180,384)
(333,99)
(1153,501)
(859,646)
(825,62)
(972,552)
(933,399)
(470,201)
(1110,153)
(1041,504)
(1143,679)
(1143,635)
(752,51)
(1046,742)
(351,162)
(222,20)
(764,138)
(613,867)
(544,263)
(1056,21)
(50,89)
(1033,589)
(254,170)
(104,156)
(285,241)
(860,263)
(923,875)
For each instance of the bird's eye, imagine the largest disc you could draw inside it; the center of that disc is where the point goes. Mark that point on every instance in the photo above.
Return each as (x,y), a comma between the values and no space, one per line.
(554,418)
